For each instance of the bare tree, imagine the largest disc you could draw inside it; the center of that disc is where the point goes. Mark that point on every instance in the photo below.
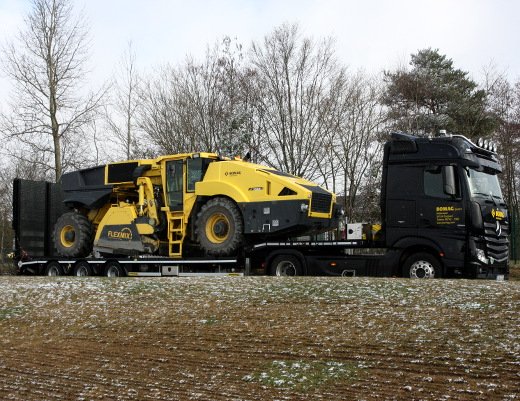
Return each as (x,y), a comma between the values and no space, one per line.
(294,77)
(6,233)
(199,105)
(504,103)
(46,63)
(359,143)
(121,113)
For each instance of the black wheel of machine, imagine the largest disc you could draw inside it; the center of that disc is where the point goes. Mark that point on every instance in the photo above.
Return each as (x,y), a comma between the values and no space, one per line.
(422,265)
(114,269)
(286,265)
(219,227)
(82,269)
(73,235)
(53,269)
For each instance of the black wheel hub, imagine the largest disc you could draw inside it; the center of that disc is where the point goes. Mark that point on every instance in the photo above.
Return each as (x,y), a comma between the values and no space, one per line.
(220,229)
(70,235)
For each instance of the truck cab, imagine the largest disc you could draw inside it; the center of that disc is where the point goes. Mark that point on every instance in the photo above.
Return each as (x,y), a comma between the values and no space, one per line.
(442,208)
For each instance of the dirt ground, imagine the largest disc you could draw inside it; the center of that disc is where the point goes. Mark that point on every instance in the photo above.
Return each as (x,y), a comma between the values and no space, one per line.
(258,338)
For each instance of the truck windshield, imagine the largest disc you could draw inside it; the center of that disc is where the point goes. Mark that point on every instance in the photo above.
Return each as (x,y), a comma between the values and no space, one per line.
(483,183)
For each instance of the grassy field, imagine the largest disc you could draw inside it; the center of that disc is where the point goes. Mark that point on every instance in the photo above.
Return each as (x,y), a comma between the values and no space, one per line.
(258,338)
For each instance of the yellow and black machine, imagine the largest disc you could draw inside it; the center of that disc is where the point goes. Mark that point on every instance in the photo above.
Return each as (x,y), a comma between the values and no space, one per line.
(185,204)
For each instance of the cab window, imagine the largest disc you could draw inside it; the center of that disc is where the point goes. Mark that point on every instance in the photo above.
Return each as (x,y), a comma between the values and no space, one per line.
(174,184)
(435,183)
(196,168)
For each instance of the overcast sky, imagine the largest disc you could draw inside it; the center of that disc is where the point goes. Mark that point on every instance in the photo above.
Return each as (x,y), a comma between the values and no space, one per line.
(370,34)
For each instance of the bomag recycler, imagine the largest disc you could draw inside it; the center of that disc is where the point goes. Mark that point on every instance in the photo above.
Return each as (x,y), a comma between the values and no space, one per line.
(186,204)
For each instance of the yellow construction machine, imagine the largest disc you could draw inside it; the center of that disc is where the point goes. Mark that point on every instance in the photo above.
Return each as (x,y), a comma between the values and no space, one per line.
(186,204)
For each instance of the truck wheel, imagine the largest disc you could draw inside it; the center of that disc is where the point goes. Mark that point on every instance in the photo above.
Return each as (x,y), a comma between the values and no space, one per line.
(286,265)
(82,269)
(73,235)
(219,227)
(53,269)
(114,269)
(421,265)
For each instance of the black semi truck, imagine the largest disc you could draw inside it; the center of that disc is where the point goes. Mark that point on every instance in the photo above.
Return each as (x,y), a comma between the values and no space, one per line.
(443,215)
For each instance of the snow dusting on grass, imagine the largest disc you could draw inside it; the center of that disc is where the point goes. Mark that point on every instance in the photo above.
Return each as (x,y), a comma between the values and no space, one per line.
(303,375)
(258,338)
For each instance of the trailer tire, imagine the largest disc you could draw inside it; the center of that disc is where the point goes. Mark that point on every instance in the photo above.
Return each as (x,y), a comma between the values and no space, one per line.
(286,265)
(219,227)
(422,265)
(114,269)
(82,269)
(72,235)
(53,269)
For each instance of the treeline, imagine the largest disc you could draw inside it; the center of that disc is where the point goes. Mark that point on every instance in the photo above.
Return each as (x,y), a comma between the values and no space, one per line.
(286,98)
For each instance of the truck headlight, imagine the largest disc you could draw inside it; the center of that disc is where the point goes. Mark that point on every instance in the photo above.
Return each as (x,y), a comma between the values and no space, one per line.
(304,207)
(481,256)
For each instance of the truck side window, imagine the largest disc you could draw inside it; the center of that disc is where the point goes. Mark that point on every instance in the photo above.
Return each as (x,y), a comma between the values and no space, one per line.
(434,183)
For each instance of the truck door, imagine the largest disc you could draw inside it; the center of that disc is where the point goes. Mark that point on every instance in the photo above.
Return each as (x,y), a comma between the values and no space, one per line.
(441,216)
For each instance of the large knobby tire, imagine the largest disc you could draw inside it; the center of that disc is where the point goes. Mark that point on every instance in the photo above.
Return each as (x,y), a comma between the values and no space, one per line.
(219,227)
(422,265)
(286,265)
(72,235)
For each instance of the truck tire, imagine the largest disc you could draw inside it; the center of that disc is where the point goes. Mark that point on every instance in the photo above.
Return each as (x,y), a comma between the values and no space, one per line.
(114,269)
(53,269)
(219,227)
(72,235)
(82,269)
(422,265)
(286,265)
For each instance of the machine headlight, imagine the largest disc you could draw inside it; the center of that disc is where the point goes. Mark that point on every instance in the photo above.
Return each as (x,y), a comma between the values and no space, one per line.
(304,207)
(481,256)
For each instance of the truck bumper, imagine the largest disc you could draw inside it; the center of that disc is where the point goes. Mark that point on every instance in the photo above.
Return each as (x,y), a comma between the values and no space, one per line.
(489,271)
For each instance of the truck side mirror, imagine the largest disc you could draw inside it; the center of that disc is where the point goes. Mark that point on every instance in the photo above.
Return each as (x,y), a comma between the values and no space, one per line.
(448,178)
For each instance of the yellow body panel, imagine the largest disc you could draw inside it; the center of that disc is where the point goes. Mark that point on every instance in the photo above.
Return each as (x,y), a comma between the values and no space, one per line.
(241,181)
(120,214)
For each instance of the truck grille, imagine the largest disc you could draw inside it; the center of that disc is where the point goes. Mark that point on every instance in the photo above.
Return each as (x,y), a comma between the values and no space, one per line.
(497,242)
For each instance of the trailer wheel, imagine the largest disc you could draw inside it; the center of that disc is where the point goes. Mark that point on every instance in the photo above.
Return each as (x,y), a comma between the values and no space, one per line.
(286,265)
(219,227)
(72,235)
(82,269)
(114,269)
(53,269)
(422,265)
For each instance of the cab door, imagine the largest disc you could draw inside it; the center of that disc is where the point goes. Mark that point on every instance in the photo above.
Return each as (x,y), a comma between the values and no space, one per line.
(441,215)
(175,185)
